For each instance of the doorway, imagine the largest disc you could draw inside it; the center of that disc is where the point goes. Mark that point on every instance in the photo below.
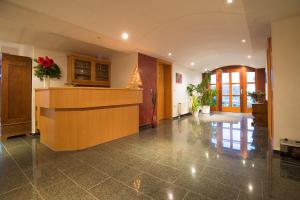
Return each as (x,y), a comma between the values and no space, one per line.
(233,84)
(231,91)
(16,88)
(164,90)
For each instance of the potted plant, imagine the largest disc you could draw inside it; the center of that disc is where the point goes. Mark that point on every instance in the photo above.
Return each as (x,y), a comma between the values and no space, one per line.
(46,69)
(195,106)
(191,89)
(206,94)
(258,96)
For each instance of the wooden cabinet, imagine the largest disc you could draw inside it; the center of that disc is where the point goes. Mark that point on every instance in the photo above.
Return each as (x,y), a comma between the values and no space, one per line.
(260,114)
(15,89)
(88,71)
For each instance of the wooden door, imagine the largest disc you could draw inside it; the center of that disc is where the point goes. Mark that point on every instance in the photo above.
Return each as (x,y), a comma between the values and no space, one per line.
(160,93)
(16,95)
(231,91)
(164,91)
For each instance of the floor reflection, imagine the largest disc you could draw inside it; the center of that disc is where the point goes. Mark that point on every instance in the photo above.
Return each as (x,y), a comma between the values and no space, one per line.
(238,139)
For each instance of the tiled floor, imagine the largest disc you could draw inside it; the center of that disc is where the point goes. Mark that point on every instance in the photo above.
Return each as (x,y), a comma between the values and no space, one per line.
(181,159)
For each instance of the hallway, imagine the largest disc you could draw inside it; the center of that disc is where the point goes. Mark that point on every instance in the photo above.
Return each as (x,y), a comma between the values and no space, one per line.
(180,159)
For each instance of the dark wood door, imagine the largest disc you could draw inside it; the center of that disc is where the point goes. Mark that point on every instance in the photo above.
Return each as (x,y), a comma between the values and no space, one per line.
(16,89)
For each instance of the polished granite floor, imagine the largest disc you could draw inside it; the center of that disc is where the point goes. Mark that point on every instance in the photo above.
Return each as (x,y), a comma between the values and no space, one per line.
(181,159)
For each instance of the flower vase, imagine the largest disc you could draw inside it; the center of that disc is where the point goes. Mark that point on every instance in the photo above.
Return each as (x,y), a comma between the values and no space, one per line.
(46,80)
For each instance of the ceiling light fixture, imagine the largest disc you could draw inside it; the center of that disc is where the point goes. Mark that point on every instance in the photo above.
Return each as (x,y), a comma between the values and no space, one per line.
(250,187)
(192,63)
(125,36)
(229,1)
(170,54)
(243,41)
(249,56)
(206,69)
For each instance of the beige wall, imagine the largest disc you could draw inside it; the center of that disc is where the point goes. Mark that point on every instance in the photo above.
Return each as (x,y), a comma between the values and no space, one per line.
(122,66)
(286,79)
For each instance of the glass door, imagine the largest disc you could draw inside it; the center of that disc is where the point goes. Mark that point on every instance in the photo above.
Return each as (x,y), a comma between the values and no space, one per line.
(231,92)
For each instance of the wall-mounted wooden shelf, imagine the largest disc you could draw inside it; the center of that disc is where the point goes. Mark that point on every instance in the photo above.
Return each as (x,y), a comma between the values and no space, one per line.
(88,71)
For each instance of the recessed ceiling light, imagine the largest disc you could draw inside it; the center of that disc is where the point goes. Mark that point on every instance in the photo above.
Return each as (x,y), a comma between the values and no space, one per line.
(249,56)
(192,63)
(125,36)
(250,187)
(229,1)
(170,54)
(243,41)
(205,69)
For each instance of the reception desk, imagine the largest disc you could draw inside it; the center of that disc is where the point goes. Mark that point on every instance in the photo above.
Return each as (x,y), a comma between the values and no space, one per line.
(73,118)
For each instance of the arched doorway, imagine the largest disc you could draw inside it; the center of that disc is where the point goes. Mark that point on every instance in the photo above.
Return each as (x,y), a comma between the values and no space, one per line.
(233,84)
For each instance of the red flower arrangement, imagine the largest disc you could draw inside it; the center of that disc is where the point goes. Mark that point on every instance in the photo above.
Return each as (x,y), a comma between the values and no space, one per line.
(46,67)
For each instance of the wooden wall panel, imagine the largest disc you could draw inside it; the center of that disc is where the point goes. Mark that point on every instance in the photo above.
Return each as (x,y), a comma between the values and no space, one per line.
(147,68)
(65,129)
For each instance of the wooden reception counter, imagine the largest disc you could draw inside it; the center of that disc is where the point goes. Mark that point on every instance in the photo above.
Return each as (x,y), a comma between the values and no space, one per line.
(73,118)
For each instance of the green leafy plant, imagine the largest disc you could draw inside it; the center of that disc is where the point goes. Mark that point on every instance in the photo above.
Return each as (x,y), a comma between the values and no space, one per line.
(190,89)
(195,103)
(46,67)
(258,96)
(206,94)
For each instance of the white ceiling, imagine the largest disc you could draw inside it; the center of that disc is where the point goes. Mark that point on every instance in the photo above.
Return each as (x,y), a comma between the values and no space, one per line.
(206,32)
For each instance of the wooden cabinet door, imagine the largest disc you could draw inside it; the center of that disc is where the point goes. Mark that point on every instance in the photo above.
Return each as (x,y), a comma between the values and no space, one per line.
(16,94)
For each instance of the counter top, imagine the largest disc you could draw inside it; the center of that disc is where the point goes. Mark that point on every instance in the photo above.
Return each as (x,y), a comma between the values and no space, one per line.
(89,88)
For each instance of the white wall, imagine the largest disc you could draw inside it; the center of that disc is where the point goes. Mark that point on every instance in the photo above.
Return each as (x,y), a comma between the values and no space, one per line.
(179,90)
(286,80)
(59,58)
(122,66)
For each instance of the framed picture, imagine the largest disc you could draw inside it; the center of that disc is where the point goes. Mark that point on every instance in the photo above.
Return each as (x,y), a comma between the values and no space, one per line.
(178,78)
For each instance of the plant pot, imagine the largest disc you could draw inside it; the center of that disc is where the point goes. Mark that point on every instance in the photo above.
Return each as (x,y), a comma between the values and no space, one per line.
(46,81)
(205,109)
(196,113)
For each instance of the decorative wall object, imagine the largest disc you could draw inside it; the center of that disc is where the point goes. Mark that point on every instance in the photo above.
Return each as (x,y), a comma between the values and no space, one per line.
(46,69)
(135,81)
(178,78)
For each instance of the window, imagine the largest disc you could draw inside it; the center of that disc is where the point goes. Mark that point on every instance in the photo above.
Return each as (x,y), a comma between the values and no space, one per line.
(213,85)
(250,87)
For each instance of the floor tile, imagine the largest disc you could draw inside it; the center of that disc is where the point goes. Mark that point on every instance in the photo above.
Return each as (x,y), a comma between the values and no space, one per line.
(194,196)
(12,179)
(25,193)
(65,190)
(44,175)
(85,175)
(113,190)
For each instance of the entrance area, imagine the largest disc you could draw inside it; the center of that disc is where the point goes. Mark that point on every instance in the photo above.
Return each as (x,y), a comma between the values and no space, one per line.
(233,84)
(164,90)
